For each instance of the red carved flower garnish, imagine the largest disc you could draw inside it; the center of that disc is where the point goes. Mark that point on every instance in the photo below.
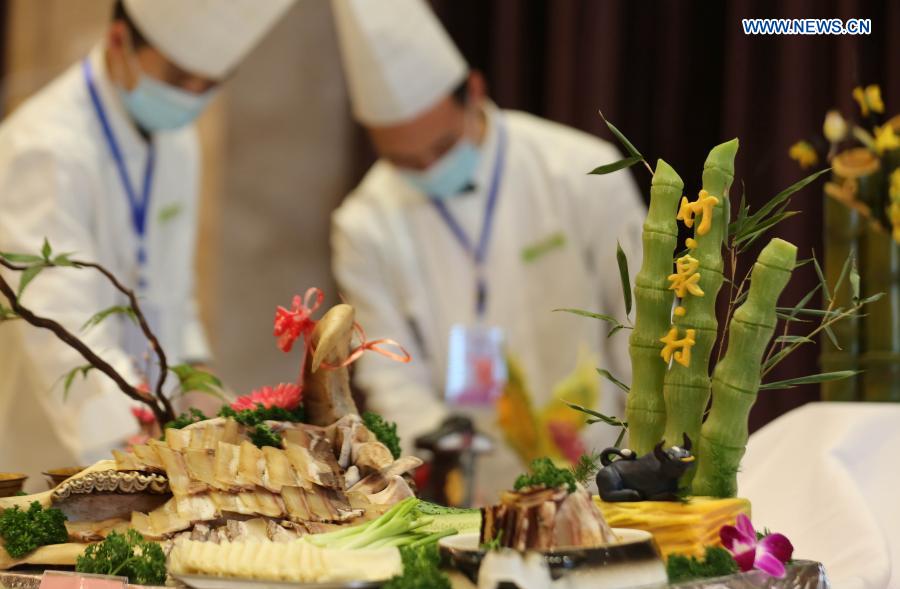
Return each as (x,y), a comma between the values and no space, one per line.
(286,396)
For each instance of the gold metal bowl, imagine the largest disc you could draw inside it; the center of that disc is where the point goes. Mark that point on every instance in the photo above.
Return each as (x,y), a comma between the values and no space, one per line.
(55,476)
(11,483)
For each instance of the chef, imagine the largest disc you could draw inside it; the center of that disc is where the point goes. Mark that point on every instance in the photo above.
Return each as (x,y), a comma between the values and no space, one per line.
(105,162)
(472,226)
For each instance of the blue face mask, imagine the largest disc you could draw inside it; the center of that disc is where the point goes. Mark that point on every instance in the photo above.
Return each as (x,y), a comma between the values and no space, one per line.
(449,175)
(157,106)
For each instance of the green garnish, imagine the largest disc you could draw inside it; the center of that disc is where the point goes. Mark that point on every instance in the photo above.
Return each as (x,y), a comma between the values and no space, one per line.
(421,570)
(493,543)
(24,531)
(187,418)
(717,562)
(253,417)
(263,435)
(586,467)
(128,555)
(260,433)
(545,473)
(385,431)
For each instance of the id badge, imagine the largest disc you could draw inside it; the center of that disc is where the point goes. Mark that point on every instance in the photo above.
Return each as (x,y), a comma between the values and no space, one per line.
(476,365)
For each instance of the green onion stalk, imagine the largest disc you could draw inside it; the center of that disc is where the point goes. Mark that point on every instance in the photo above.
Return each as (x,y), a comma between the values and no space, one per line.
(645,408)
(736,379)
(687,388)
(401,525)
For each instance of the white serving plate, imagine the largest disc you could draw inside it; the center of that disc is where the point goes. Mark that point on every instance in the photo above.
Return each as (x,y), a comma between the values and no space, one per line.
(206,582)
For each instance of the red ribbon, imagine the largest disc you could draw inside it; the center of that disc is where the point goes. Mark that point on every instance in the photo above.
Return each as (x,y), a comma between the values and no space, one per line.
(296,322)
(374,346)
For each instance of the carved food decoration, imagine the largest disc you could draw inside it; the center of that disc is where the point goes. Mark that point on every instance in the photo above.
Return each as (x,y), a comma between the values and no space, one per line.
(241,475)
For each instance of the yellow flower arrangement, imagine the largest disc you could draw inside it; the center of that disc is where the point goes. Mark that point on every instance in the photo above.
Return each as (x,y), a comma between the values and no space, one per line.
(804,154)
(886,139)
(868,99)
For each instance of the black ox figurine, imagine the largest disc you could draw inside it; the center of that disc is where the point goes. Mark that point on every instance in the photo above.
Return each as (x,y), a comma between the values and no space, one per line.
(652,477)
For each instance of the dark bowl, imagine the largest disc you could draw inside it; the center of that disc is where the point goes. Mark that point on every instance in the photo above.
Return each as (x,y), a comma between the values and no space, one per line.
(633,561)
(57,475)
(11,483)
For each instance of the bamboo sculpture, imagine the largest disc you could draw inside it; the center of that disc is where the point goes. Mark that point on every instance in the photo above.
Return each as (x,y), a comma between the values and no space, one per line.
(698,278)
(736,378)
(645,408)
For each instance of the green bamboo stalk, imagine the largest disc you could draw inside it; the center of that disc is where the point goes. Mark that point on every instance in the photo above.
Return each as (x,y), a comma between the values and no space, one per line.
(645,408)
(687,388)
(737,376)
(880,360)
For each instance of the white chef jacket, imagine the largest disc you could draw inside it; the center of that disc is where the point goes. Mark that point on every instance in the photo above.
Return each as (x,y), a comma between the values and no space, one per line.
(58,180)
(400,265)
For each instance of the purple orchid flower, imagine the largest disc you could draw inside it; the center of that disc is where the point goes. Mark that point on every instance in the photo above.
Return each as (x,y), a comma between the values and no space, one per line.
(768,553)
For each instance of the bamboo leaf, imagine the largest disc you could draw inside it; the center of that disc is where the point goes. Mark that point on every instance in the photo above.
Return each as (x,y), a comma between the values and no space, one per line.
(811,379)
(782,197)
(814,312)
(590,315)
(743,212)
(607,375)
(629,147)
(624,276)
(616,330)
(777,358)
(69,378)
(192,380)
(46,250)
(830,333)
(849,264)
(615,166)
(821,276)
(62,259)
(790,318)
(101,316)
(793,339)
(804,301)
(20,258)
(621,436)
(596,416)
(29,274)
(870,299)
(744,241)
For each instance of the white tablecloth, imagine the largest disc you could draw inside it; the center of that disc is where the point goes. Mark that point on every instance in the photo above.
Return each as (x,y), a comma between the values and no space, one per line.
(827,475)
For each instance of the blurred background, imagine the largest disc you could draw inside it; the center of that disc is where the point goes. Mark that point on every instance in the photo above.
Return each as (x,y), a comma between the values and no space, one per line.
(676,76)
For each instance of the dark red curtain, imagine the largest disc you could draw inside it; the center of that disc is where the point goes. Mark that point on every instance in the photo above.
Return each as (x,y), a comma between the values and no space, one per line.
(679,76)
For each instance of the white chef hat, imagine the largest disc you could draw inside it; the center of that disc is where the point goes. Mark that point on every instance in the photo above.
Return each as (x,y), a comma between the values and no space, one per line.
(205,37)
(398,59)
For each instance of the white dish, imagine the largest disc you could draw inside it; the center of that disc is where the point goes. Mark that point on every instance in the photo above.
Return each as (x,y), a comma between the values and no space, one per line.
(205,582)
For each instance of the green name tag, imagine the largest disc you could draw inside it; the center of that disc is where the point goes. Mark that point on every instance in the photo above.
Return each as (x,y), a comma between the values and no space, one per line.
(539,248)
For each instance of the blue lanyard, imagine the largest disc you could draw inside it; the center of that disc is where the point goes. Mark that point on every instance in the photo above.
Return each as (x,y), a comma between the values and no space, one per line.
(139,203)
(479,253)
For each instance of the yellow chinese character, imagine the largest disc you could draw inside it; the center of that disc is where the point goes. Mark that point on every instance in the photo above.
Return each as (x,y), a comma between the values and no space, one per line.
(686,277)
(703,206)
(680,349)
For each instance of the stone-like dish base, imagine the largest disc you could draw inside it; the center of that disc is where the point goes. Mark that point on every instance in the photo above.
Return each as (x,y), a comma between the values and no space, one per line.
(802,574)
